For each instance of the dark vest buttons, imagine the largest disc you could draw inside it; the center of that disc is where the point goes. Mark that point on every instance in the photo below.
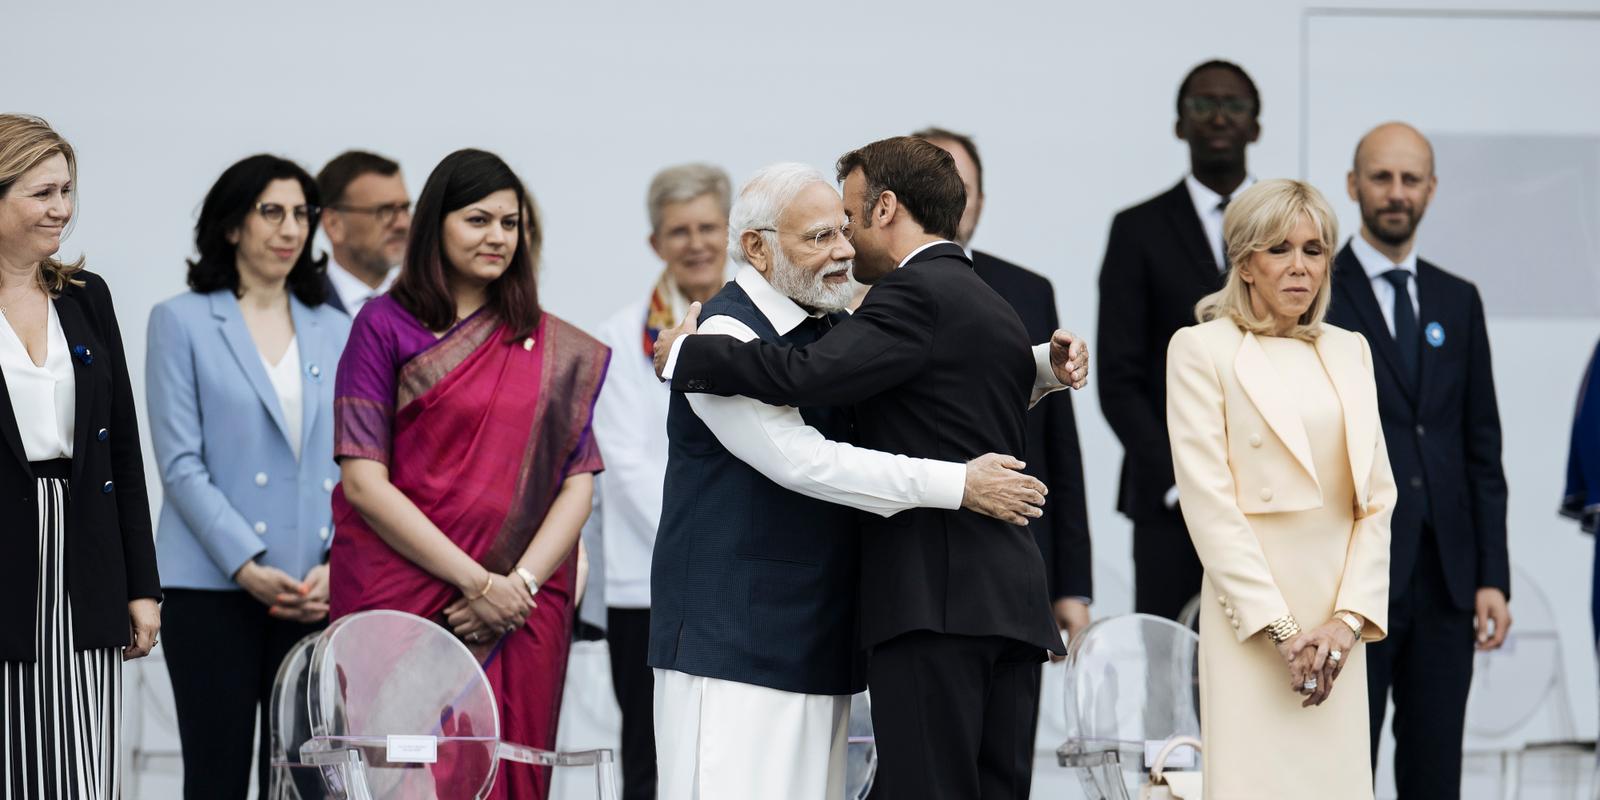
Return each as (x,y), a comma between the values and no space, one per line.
(106,489)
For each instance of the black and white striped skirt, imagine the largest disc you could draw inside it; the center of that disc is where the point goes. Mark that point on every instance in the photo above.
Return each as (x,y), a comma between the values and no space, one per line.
(60,717)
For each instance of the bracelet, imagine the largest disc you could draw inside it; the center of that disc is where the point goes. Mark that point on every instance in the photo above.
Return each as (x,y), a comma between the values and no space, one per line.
(1351,620)
(1283,629)
(487,585)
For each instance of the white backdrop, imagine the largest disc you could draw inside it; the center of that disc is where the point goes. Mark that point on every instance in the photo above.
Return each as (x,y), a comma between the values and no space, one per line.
(1071,105)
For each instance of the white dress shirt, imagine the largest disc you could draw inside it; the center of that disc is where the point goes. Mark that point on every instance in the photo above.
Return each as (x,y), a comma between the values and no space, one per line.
(42,398)
(1208,205)
(630,426)
(354,292)
(1375,264)
(288,385)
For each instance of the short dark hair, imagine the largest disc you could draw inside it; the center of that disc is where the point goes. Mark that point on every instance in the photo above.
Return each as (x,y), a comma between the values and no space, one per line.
(935,133)
(337,175)
(1255,95)
(227,203)
(462,178)
(922,176)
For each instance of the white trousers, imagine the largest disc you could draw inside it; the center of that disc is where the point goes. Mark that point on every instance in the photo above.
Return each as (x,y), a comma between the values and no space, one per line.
(718,739)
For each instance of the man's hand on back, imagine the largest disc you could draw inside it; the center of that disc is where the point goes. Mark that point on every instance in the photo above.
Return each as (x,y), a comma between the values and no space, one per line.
(996,488)
(1069,357)
(664,339)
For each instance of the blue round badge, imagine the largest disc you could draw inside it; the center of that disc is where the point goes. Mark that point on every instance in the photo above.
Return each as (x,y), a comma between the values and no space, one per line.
(1435,334)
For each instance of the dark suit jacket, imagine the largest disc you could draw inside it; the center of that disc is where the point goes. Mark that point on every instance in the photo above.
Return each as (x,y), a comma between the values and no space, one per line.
(1158,264)
(1444,437)
(937,366)
(331,295)
(111,556)
(1053,455)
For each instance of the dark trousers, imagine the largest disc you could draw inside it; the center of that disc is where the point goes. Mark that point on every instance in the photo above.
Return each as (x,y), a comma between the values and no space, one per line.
(1427,661)
(223,652)
(628,637)
(1166,571)
(954,716)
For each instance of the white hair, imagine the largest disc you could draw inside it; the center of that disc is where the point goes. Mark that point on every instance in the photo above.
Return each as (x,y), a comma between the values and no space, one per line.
(764,198)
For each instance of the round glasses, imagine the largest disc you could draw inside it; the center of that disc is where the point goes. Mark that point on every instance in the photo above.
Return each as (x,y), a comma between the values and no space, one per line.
(821,238)
(275,213)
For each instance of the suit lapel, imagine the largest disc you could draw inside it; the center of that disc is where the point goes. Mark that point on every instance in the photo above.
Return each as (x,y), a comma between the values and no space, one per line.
(1265,389)
(1351,280)
(225,308)
(1185,221)
(1344,368)
(308,339)
(75,326)
(9,430)
(1428,302)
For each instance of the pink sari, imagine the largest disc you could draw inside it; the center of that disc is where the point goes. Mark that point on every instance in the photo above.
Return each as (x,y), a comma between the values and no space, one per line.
(483,433)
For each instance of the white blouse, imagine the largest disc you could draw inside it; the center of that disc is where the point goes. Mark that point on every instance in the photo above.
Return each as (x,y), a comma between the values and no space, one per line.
(286,382)
(41,397)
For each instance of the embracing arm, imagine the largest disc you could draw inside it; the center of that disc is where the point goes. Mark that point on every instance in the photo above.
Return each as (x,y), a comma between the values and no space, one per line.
(1227,545)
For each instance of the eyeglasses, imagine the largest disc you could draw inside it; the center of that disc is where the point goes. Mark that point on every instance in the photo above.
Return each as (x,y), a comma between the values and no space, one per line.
(384,214)
(1201,107)
(276,212)
(824,239)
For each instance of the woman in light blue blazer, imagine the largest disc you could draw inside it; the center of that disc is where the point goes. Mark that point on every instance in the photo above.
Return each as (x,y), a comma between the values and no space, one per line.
(240,375)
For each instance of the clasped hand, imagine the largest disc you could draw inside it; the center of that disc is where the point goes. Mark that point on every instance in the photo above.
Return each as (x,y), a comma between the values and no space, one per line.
(1310,657)
(501,610)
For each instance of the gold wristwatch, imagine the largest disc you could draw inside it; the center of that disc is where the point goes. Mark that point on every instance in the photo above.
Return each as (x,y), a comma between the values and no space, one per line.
(1351,620)
(1283,629)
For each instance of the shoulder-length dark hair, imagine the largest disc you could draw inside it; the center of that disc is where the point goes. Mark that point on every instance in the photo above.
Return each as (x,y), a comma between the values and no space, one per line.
(224,210)
(461,179)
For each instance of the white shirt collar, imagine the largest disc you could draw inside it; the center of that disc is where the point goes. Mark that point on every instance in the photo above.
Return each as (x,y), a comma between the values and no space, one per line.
(1375,263)
(1205,200)
(352,290)
(783,313)
(913,253)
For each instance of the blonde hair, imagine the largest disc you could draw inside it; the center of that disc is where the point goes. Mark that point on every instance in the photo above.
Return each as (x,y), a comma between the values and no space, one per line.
(25,142)
(1259,218)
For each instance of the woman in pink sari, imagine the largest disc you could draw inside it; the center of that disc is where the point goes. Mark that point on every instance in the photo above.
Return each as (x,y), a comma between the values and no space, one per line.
(462,428)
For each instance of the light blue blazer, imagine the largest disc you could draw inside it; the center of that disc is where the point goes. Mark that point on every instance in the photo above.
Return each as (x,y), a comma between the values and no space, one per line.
(233,489)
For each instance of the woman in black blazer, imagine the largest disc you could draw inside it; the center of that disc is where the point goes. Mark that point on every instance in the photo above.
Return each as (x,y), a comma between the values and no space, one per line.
(77,563)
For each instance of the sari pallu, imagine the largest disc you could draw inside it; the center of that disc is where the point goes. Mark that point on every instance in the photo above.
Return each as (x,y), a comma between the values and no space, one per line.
(484,433)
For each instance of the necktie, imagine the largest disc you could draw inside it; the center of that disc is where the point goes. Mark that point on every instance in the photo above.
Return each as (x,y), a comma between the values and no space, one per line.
(1405,323)
(1222,262)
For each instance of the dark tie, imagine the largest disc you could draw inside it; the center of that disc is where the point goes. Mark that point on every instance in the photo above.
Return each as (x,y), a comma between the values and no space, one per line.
(1405,323)
(1222,263)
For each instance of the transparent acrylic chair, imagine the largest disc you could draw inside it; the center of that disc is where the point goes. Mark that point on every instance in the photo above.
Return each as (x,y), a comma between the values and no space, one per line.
(1131,680)
(861,758)
(293,779)
(399,708)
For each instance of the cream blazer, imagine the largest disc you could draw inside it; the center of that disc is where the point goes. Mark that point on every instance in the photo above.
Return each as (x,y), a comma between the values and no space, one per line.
(1241,455)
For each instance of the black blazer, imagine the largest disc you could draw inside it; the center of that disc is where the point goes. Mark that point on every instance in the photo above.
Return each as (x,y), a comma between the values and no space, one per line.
(1053,455)
(1444,436)
(111,556)
(937,366)
(1157,267)
(331,295)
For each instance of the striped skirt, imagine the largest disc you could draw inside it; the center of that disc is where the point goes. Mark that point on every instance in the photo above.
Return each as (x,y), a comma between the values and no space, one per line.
(60,716)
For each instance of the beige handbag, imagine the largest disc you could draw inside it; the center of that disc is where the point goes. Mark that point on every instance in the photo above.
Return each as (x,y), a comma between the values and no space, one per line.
(1176,785)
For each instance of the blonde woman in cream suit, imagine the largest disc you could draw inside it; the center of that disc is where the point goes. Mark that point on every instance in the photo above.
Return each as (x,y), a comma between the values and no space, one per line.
(1285,485)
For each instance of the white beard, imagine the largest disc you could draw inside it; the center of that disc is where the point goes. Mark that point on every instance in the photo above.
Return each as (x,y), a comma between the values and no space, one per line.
(809,289)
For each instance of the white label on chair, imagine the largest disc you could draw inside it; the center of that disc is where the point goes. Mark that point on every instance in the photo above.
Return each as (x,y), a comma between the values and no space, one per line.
(413,750)
(1181,757)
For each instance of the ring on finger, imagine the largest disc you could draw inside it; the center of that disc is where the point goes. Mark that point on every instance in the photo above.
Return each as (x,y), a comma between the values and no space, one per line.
(1336,655)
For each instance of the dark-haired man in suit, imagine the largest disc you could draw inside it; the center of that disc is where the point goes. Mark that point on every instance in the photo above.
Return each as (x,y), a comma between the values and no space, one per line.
(1450,575)
(367,220)
(1053,455)
(1163,255)
(953,605)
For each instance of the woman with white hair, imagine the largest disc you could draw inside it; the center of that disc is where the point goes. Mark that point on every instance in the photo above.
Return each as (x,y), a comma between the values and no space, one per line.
(1285,485)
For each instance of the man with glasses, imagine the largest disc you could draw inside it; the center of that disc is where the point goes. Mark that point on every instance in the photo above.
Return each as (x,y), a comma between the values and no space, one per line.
(366,218)
(1163,255)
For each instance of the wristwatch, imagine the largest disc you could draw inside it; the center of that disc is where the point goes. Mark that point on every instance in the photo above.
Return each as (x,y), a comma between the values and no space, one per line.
(1352,621)
(532,582)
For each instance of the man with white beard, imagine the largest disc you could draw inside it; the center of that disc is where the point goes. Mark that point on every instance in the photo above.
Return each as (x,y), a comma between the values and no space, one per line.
(753,632)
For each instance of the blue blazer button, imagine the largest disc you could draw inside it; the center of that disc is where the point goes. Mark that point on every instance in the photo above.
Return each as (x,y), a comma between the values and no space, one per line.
(103,435)
(106,489)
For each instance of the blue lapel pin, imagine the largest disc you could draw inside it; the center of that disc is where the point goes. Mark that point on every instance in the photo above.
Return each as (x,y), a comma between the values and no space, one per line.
(82,353)
(1435,334)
